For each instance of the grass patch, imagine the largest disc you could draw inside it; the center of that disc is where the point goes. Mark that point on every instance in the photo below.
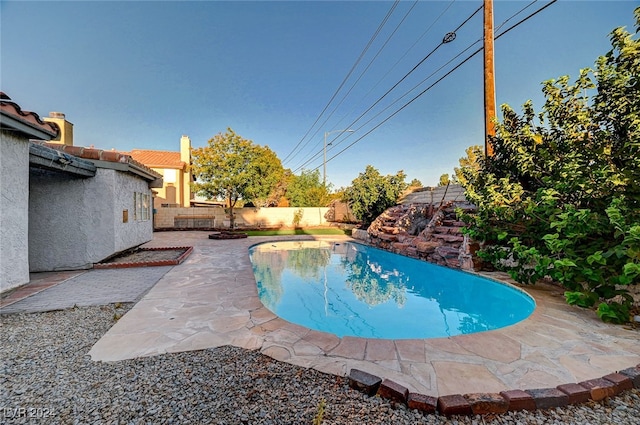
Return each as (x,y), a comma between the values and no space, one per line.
(287,232)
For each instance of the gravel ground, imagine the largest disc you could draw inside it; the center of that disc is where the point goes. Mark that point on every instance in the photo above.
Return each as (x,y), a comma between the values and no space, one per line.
(47,378)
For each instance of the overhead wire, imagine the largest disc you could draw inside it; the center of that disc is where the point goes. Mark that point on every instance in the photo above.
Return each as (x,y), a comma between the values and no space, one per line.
(355,83)
(515,14)
(442,78)
(364,71)
(397,100)
(374,86)
(445,40)
(525,19)
(371,40)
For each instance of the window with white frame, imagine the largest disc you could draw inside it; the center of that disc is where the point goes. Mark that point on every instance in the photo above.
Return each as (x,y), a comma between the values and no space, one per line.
(141,206)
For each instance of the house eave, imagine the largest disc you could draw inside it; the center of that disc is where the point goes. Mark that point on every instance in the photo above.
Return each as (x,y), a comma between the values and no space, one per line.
(10,124)
(127,167)
(53,160)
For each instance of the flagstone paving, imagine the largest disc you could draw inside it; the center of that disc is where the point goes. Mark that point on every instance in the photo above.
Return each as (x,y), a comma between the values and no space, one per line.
(211,300)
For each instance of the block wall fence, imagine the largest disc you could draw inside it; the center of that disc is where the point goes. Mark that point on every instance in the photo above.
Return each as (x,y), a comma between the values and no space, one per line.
(216,217)
(286,217)
(435,195)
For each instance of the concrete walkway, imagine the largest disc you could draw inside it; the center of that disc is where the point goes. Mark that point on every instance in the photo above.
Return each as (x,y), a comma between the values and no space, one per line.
(211,300)
(85,288)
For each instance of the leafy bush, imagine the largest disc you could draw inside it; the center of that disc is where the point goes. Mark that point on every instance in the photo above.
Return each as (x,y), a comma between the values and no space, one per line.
(561,196)
(370,194)
(307,190)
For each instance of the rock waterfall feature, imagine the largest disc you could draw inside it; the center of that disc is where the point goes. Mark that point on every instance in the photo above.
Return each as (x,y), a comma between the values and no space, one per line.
(426,231)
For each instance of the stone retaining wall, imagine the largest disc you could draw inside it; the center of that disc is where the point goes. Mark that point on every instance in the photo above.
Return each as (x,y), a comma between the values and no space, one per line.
(424,231)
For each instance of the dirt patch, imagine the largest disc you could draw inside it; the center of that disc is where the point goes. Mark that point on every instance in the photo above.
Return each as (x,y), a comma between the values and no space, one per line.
(146,257)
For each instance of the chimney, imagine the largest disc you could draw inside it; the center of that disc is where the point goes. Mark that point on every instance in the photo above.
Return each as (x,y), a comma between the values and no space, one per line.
(185,150)
(185,156)
(65,136)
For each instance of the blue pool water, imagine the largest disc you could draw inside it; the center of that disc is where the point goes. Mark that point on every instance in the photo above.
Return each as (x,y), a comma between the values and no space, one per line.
(349,289)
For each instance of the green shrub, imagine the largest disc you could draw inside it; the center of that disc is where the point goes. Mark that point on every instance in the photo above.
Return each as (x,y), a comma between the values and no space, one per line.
(561,196)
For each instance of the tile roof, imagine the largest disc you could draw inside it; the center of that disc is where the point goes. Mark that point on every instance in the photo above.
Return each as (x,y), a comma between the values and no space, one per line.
(157,159)
(101,155)
(10,109)
(46,158)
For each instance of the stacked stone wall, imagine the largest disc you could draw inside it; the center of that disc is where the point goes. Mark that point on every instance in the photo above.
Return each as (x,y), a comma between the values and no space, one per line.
(425,231)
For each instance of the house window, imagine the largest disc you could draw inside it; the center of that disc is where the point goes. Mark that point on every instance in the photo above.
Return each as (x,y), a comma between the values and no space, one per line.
(141,206)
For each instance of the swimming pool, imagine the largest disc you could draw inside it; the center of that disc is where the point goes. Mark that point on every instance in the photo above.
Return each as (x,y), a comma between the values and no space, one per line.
(349,289)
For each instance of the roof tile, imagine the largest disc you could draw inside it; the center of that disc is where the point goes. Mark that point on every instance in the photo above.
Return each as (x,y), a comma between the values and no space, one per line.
(100,155)
(12,109)
(157,159)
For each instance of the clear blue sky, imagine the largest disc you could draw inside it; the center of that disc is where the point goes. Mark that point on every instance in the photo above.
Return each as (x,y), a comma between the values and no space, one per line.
(141,74)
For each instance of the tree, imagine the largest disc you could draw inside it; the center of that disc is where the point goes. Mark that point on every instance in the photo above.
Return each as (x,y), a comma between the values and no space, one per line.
(561,195)
(446,180)
(233,168)
(470,163)
(307,190)
(277,197)
(370,194)
(415,183)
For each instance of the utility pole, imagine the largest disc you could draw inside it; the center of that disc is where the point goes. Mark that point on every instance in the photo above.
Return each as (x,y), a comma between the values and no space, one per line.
(324,160)
(489,79)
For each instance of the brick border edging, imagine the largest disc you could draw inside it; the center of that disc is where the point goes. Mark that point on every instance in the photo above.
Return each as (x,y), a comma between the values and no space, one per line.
(496,403)
(180,259)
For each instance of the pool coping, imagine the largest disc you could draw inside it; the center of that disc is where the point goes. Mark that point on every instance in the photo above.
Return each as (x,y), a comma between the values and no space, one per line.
(211,300)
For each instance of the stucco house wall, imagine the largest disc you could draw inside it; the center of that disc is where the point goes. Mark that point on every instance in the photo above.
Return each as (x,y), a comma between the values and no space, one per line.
(138,229)
(74,223)
(14,179)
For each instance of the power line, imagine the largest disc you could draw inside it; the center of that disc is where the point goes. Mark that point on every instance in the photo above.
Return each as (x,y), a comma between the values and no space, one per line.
(525,19)
(401,97)
(418,85)
(516,14)
(440,79)
(449,37)
(373,37)
(303,162)
(373,87)
(355,83)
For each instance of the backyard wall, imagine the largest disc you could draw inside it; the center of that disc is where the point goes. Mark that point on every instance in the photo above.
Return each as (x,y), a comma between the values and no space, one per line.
(435,195)
(74,223)
(204,217)
(14,180)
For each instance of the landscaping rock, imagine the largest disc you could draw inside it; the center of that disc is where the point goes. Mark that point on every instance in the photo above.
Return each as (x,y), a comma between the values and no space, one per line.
(45,367)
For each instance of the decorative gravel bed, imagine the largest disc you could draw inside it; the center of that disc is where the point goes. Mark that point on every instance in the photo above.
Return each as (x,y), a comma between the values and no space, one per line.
(47,378)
